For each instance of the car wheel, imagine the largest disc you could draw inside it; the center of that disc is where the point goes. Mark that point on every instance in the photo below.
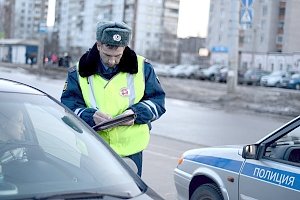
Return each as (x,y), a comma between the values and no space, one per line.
(212,78)
(297,87)
(207,192)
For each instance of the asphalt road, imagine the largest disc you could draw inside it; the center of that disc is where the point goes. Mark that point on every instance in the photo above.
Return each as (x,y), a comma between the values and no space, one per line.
(160,159)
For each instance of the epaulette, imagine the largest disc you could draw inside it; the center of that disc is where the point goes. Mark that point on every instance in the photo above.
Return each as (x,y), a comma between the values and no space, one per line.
(147,61)
(72,69)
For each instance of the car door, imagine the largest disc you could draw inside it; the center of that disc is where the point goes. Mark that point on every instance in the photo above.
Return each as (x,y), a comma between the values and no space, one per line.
(277,174)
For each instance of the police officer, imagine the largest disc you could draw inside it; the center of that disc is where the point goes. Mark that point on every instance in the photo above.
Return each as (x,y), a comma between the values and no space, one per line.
(111,79)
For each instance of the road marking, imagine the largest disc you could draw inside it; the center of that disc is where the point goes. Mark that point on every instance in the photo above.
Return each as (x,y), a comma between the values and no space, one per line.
(165,148)
(161,155)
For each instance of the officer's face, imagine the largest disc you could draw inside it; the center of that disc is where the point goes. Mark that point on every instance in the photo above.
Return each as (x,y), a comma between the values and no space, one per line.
(110,56)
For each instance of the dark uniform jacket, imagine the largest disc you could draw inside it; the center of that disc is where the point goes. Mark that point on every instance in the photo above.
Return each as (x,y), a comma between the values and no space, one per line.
(90,64)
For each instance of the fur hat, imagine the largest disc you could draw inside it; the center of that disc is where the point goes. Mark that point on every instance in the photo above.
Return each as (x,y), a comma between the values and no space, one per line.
(113,33)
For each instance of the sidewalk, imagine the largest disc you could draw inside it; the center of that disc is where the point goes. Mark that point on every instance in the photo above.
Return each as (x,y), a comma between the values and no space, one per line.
(52,71)
(256,99)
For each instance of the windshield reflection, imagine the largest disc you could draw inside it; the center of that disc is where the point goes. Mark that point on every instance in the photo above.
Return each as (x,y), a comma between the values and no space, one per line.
(58,154)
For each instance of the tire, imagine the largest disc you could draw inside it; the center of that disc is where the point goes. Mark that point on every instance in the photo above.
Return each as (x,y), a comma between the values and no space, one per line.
(212,77)
(207,192)
(297,87)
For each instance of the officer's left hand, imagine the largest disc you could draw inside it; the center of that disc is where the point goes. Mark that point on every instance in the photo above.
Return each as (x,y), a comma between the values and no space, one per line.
(131,122)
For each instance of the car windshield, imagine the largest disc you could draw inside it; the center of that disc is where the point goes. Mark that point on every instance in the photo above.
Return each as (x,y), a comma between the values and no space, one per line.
(276,73)
(50,151)
(295,76)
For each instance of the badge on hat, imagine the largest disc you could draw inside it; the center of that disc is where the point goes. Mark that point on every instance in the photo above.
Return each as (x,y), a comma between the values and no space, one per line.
(117,37)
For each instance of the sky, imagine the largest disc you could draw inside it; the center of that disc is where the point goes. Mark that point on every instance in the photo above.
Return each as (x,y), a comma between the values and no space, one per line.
(192,22)
(51,12)
(193,18)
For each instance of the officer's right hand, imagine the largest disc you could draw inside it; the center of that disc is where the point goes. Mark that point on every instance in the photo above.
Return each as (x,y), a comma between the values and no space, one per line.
(100,117)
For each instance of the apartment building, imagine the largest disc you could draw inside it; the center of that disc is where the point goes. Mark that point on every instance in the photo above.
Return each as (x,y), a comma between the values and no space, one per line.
(154,25)
(24,19)
(289,17)
(271,42)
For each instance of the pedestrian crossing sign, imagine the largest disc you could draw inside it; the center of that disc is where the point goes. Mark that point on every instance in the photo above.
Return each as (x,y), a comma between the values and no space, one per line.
(247,3)
(246,15)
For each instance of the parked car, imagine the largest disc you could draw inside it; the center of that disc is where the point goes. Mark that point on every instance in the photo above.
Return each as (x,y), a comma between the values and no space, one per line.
(268,169)
(189,71)
(221,75)
(210,72)
(274,79)
(294,82)
(47,152)
(253,76)
(177,70)
(161,69)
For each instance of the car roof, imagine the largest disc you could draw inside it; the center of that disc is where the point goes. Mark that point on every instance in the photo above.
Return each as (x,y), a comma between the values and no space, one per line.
(7,85)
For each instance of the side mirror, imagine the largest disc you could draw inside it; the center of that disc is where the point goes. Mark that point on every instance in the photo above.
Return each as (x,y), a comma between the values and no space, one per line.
(249,151)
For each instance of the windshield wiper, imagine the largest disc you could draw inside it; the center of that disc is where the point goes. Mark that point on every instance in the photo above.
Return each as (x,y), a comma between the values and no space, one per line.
(85,195)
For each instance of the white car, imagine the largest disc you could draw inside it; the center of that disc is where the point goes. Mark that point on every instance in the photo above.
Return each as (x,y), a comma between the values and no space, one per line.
(185,71)
(268,169)
(274,79)
(210,72)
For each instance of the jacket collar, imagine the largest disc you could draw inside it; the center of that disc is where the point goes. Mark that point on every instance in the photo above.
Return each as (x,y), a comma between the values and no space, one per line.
(90,61)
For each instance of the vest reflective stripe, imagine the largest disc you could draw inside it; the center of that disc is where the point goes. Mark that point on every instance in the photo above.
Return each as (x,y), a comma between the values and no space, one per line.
(130,83)
(113,97)
(91,92)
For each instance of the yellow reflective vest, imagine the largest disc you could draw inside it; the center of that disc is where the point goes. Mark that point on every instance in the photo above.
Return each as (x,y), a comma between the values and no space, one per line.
(113,97)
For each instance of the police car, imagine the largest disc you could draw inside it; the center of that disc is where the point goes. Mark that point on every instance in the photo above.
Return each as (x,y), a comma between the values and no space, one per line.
(268,169)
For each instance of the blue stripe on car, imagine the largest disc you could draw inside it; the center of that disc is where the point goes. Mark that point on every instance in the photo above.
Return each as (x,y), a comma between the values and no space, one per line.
(223,163)
(275,176)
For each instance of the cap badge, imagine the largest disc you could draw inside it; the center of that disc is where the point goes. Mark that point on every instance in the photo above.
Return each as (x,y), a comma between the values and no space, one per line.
(124,92)
(117,37)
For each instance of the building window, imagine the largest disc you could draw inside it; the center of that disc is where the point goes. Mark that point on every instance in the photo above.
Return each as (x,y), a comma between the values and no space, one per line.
(281,11)
(280,24)
(264,10)
(245,65)
(279,39)
(222,13)
(259,66)
(262,24)
(261,39)
(173,10)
